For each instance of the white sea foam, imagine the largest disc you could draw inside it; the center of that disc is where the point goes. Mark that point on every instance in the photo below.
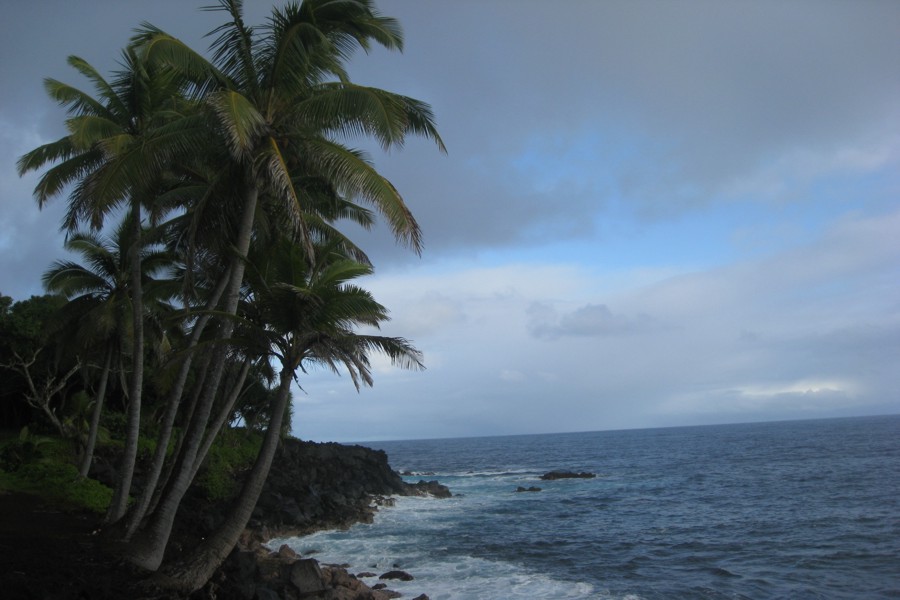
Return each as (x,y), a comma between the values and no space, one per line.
(489,474)
(395,540)
(458,578)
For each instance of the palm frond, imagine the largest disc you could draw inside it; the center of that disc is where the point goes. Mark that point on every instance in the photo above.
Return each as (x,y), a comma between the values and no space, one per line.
(55,179)
(86,131)
(105,90)
(233,46)
(241,121)
(353,110)
(60,150)
(158,46)
(281,185)
(359,180)
(71,279)
(76,101)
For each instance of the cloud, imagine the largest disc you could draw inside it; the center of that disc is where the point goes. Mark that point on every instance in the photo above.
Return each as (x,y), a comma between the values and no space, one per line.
(812,330)
(660,108)
(588,320)
(800,399)
(512,376)
(645,205)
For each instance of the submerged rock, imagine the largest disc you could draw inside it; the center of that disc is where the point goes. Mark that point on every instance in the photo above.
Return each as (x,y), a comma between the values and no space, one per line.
(554,475)
(528,489)
(400,575)
(431,488)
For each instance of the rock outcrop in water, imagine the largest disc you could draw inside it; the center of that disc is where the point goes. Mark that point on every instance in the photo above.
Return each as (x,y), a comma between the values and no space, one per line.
(554,475)
(329,486)
(311,487)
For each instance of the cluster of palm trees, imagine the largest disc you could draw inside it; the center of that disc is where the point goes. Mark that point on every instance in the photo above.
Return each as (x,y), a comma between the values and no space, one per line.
(222,181)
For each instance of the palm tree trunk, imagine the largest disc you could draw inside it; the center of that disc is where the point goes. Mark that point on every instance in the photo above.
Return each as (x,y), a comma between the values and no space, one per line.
(126,470)
(174,401)
(222,416)
(191,573)
(95,417)
(148,545)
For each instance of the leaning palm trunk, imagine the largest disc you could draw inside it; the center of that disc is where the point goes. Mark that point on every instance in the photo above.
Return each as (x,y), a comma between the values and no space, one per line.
(126,471)
(195,570)
(148,545)
(222,416)
(174,466)
(165,432)
(88,457)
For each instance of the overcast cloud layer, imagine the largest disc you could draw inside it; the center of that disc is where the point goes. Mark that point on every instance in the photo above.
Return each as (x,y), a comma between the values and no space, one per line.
(652,213)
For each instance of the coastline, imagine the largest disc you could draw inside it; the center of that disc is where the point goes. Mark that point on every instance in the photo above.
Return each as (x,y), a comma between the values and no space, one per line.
(50,553)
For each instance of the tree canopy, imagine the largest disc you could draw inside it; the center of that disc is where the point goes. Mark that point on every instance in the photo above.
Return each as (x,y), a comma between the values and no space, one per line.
(205,195)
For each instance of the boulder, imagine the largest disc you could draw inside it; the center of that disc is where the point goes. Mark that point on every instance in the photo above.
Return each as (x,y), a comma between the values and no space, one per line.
(399,575)
(265,593)
(554,475)
(431,488)
(307,578)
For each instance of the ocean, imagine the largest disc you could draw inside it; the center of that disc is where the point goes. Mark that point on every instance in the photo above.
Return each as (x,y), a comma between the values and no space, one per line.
(802,509)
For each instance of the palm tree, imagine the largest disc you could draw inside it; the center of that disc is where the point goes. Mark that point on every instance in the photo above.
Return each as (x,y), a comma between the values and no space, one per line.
(100,301)
(115,153)
(301,314)
(280,100)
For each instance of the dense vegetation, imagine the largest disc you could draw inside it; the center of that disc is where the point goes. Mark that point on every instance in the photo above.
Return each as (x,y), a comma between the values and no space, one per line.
(204,197)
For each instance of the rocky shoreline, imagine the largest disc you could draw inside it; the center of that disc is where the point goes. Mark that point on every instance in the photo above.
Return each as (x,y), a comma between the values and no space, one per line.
(48,553)
(313,487)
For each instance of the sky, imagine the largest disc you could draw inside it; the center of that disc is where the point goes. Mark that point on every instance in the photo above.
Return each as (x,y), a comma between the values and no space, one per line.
(650,214)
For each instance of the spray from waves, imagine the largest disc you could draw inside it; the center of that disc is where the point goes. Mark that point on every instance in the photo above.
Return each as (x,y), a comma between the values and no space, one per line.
(489,474)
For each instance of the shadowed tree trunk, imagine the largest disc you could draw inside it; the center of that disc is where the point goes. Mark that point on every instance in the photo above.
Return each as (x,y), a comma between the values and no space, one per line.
(119,503)
(192,573)
(174,401)
(222,416)
(148,545)
(95,417)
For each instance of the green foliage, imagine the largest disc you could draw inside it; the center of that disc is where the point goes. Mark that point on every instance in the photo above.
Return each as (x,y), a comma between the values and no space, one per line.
(26,448)
(58,482)
(26,326)
(41,465)
(78,421)
(115,423)
(233,452)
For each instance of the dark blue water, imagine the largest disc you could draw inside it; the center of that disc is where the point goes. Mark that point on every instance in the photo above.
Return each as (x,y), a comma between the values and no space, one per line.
(778,510)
